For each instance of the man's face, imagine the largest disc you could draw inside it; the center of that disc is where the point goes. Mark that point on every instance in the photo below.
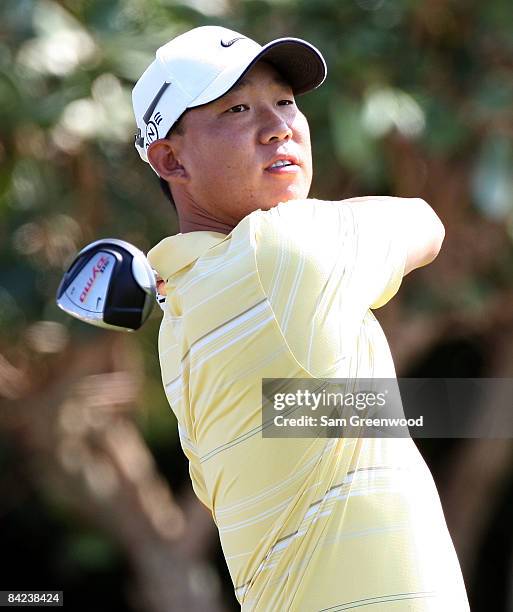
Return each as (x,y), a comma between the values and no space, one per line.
(228,148)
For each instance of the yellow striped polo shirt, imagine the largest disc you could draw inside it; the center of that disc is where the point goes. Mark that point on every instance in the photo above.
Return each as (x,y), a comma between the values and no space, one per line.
(305,524)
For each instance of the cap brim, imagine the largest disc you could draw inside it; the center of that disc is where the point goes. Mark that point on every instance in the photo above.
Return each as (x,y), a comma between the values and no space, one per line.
(298,62)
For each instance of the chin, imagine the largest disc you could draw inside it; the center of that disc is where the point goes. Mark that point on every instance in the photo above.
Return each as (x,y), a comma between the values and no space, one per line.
(270,201)
(273,203)
(293,193)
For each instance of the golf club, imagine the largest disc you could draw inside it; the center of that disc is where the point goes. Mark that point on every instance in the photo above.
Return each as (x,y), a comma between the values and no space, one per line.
(109,284)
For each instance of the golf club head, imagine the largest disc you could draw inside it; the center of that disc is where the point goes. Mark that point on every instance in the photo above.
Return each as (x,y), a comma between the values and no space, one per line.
(110,284)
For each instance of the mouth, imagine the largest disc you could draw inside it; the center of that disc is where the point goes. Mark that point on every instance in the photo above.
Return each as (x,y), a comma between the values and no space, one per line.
(286,164)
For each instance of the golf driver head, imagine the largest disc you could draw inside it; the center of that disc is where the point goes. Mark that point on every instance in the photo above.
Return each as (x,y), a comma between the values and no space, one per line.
(110,284)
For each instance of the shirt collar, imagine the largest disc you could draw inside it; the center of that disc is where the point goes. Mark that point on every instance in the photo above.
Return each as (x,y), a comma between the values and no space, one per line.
(175,252)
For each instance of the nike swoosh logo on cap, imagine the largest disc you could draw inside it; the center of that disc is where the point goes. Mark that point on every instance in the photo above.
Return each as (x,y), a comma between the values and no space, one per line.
(229,43)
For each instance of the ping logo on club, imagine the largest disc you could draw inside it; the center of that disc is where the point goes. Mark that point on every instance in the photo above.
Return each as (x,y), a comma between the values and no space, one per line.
(98,268)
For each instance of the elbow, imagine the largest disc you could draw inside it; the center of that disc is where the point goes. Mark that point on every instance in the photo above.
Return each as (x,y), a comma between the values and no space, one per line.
(426,236)
(438,235)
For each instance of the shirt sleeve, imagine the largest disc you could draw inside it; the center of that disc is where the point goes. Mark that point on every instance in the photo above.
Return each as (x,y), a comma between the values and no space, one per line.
(323,265)
(377,250)
(351,247)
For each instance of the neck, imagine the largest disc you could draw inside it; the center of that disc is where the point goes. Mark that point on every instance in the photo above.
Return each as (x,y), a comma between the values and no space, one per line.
(192,218)
(203,225)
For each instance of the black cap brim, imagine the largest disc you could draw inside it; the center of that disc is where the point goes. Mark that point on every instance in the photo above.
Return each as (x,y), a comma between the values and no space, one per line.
(299,62)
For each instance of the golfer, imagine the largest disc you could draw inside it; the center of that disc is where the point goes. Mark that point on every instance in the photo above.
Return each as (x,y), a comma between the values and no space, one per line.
(263,282)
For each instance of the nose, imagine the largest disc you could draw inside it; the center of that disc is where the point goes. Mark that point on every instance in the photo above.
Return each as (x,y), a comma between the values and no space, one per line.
(274,128)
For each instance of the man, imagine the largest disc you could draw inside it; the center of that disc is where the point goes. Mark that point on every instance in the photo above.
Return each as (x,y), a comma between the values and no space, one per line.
(265,283)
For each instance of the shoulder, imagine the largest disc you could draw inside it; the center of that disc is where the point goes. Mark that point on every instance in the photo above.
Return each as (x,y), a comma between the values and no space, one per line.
(299,210)
(297,219)
(298,239)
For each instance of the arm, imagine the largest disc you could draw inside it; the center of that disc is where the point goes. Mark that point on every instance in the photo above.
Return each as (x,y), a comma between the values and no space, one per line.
(426,237)
(416,221)
(356,250)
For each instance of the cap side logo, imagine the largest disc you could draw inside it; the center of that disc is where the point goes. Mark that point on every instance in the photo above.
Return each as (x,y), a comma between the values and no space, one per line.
(152,133)
(229,43)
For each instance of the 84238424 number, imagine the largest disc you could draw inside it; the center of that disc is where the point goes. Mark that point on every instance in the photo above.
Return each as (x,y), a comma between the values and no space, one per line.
(31,598)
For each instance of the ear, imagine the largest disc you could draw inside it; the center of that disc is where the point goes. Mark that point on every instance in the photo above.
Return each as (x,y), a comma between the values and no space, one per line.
(162,157)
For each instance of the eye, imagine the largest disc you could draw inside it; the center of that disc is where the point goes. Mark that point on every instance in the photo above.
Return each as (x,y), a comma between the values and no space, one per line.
(239,108)
(286,102)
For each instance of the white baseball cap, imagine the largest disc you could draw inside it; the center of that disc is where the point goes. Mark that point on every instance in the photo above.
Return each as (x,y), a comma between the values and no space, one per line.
(201,65)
